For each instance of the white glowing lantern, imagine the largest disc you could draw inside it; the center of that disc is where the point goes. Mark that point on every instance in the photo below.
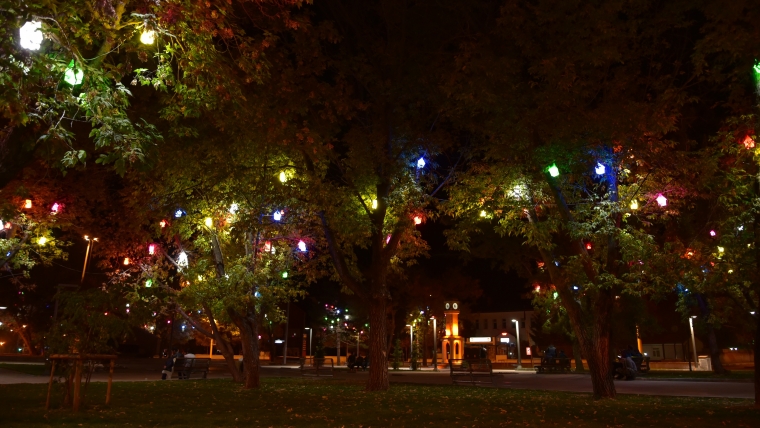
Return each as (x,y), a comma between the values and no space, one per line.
(208,222)
(600,169)
(148,37)
(421,163)
(417,220)
(277,216)
(374,204)
(182,260)
(42,240)
(152,249)
(55,208)
(283,177)
(634,204)
(28,203)
(126,263)
(234,209)
(178,213)
(267,247)
(662,200)
(302,246)
(483,213)
(30,35)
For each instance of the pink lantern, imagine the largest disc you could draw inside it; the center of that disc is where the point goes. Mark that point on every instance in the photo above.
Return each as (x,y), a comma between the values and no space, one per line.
(712,233)
(152,249)
(302,246)
(55,208)
(267,246)
(662,200)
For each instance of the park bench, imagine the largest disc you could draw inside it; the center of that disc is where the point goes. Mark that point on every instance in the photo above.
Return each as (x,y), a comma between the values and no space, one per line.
(317,367)
(554,365)
(186,368)
(476,371)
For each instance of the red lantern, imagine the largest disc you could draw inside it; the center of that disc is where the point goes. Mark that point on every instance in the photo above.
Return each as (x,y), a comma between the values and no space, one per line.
(749,142)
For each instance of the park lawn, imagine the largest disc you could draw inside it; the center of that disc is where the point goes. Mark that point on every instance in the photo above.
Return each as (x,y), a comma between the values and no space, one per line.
(32,369)
(677,374)
(298,402)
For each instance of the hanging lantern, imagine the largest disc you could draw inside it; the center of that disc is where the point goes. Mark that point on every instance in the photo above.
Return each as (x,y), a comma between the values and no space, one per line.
(588,245)
(634,204)
(421,163)
(713,233)
(268,246)
(600,169)
(148,283)
(179,213)
(302,246)
(54,209)
(662,200)
(163,223)
(483,213)
(8,225)
(757,67)
(285,274)
(42,240)
(30,35)
(749,142)
(148,37)
(277,216)
(388,239)
(126,261)
(233,209)
(151,249)
(208,222)
(553,170)
(374,204)
(73,75)
(283,177)
(28,203)
(417,220)
(182,259)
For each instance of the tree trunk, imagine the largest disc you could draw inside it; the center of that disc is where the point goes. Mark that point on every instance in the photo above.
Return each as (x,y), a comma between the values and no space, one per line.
(223,345)
(712,342)
(577,355)
(249,335)
(378,346)
(757,357)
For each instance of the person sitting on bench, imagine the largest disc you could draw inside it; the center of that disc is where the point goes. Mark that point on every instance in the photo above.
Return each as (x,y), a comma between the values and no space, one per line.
(627,369)
(550,353)
(168,365)
(351,361)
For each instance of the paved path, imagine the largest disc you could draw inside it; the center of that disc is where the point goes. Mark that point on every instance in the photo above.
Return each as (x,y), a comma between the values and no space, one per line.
(145,371)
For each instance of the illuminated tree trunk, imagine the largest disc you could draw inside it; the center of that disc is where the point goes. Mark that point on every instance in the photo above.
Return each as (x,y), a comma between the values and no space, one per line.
(378,345)
(249,335)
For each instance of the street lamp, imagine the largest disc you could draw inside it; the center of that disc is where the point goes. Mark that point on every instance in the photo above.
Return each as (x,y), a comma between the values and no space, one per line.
(693,343)
(310,331)
(519,354)
(411,343)
(435,346)
(90,242)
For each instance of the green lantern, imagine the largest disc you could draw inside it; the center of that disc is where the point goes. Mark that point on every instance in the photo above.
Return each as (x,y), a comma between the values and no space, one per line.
(73,75)
(553,170)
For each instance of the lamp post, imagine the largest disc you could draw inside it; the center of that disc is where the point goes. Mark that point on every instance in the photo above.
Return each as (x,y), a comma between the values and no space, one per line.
(519,353)
(285,345)
(310,330)
(693,343)
(87,254)
(358,338)
(411,343)
(435,346)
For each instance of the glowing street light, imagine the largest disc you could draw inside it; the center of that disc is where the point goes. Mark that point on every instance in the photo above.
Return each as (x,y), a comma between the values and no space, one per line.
(277,216)
(30,35)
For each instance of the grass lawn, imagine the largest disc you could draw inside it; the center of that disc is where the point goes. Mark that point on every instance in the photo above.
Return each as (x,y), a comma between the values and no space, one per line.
(675,374)
(283,402)
(32,369)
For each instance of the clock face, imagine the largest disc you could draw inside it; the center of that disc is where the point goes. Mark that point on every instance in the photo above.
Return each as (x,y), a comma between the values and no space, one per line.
(447,305)
(455,306)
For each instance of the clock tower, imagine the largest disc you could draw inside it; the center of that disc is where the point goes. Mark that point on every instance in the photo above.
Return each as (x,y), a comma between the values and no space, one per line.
(453,343)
